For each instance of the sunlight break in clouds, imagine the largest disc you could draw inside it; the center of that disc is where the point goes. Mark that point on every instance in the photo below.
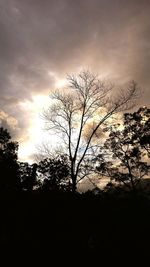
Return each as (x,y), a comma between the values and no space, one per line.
(35,132)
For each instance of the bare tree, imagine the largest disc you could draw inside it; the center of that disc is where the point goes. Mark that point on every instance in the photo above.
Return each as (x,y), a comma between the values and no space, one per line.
(78,113)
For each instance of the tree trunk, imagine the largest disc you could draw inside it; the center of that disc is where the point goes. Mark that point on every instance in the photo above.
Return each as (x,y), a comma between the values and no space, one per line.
(132,184)
(74,185)
(73,176)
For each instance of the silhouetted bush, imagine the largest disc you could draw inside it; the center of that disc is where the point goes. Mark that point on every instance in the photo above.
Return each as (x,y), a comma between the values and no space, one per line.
(9,180)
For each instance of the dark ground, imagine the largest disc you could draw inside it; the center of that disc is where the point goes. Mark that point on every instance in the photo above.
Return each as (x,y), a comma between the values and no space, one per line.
(59,225)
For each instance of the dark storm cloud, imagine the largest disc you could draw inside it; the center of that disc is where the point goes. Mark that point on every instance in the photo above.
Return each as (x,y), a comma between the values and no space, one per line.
(39,36)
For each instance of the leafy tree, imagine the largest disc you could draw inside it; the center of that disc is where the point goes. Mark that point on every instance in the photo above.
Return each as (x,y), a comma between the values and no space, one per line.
(129,147)
(28,175)
(78,114)
(139,122)
(55,173)
(8,162)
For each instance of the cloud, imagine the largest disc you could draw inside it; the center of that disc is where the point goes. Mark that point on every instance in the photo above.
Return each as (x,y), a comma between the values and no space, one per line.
(89,129)
(39,37)
(8,122)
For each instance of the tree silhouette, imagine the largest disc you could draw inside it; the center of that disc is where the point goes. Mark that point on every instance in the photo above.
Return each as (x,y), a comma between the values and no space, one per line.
(78,113)
(28,175)
(8,162)
(129,148)
(139,122)
(55,173)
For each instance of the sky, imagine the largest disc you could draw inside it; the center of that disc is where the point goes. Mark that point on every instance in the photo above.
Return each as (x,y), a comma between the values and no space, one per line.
(41,41)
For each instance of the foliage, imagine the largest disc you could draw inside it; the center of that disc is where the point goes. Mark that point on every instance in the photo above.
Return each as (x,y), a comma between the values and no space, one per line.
(55,173)
(8,162)
(28,175)
(129,149)
(139,123)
